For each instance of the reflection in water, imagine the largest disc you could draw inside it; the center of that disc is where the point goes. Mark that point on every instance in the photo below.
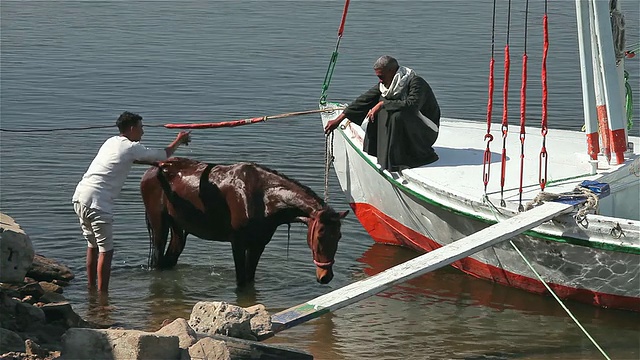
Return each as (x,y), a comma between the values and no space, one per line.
(166,298)
(98,309)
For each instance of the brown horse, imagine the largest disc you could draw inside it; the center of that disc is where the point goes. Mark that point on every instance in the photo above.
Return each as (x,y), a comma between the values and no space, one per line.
(242,203)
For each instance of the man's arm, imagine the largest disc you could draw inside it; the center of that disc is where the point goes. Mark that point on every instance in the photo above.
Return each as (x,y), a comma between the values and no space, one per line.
(182,138)
(357,110)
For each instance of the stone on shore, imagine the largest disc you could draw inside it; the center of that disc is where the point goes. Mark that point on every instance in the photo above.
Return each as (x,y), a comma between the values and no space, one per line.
(118,345)
(180,328)
(45,269)
(217,317)
(260,321)
(10,341)
(16,251)
(209,349)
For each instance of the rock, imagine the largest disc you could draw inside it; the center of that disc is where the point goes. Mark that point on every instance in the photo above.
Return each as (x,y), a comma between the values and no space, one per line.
(118,345)
(260,321)
(209,349)
(47,286)
(62,312)
(52,297)
(180,328)
(10,290)
(221,318)
(34,289)
(16,251)
(45,269)
(10,341)
(31,348)
(28,316)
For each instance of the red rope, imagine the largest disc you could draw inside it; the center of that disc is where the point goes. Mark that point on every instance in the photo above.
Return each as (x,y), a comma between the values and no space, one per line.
(486,161)
(505,121)
(523,108)
(543,152)
(344,18)
(523,105)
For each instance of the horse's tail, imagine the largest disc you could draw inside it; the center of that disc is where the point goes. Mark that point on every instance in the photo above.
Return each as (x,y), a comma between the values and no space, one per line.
(150,231)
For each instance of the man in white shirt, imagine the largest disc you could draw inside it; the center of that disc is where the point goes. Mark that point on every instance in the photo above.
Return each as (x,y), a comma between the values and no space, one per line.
(100,186)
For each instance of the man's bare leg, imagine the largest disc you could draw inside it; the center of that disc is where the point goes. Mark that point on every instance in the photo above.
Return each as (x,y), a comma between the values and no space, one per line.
(92,267)
(104,270)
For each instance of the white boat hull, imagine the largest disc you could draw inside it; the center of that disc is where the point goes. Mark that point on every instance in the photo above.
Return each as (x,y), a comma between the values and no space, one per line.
(596,261)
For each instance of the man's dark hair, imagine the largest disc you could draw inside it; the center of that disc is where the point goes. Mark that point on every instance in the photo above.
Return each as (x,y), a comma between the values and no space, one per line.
(127,120)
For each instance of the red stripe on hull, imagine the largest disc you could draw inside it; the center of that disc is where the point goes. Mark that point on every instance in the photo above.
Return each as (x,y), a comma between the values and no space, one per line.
(386,230)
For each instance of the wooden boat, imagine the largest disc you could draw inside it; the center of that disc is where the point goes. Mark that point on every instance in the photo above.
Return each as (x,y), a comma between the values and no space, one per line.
(591,256)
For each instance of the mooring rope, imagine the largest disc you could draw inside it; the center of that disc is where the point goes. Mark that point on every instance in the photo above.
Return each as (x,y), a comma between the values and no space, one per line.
(328,159)
(493,209)
(555,296)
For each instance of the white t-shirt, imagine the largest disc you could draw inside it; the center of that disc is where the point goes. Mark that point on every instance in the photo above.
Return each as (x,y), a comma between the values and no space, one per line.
(102,182)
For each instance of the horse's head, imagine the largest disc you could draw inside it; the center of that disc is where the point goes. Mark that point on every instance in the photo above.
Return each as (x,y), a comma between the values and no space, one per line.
(322,237)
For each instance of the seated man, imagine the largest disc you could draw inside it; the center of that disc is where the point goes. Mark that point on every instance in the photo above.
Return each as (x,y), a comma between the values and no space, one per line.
(404,117)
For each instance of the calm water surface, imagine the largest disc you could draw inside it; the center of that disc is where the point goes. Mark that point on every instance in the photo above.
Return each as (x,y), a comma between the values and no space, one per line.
(81,63)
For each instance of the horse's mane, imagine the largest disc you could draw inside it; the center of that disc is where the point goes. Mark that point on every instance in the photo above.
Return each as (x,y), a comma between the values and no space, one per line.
(306,189)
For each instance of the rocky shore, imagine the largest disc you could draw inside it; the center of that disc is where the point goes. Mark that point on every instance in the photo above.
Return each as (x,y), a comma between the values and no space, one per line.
(37,321)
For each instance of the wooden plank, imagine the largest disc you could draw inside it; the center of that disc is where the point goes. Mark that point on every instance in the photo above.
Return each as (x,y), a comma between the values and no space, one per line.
(420,265)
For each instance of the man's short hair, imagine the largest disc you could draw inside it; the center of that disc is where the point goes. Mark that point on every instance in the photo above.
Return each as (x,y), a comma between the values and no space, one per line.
(386,62)
(127,120)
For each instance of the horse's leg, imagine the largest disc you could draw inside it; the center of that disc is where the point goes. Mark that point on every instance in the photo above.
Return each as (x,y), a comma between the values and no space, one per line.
(176,245)
(158,226)
(238,246)
(252,256)
(254,251)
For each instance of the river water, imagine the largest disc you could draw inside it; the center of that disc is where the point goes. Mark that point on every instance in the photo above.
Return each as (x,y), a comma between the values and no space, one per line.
(81,63)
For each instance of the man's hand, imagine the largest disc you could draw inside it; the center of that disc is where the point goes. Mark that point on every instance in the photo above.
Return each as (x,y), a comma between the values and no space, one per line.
(184,137)
(333,124)
(372,113)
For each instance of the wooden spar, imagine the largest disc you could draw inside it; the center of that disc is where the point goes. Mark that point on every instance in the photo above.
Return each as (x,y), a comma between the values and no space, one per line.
(240,122)
(420,265)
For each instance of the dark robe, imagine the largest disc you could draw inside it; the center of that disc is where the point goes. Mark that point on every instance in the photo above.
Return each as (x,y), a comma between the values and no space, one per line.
(397,136)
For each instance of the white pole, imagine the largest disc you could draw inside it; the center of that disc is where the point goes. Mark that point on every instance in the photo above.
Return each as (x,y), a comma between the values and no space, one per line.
(620,68)
(601,106)
(610,79)
(586,69)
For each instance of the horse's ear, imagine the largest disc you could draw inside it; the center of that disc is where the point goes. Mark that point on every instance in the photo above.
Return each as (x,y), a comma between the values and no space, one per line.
(303,219)
(343,214)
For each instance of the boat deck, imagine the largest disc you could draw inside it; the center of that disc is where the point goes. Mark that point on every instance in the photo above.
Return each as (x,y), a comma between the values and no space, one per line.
(461,148)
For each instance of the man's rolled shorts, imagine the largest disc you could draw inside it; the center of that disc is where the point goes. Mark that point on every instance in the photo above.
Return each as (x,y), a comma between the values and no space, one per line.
(97,227)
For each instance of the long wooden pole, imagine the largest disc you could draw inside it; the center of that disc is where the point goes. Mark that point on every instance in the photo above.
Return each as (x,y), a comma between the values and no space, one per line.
(247,121)
(423,264)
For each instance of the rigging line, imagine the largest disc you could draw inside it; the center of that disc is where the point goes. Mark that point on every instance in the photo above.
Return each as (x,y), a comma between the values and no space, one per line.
(555,296)
(493,211)
(486,161)
(523,105)
(543,159)
(505,101)
(66,128)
